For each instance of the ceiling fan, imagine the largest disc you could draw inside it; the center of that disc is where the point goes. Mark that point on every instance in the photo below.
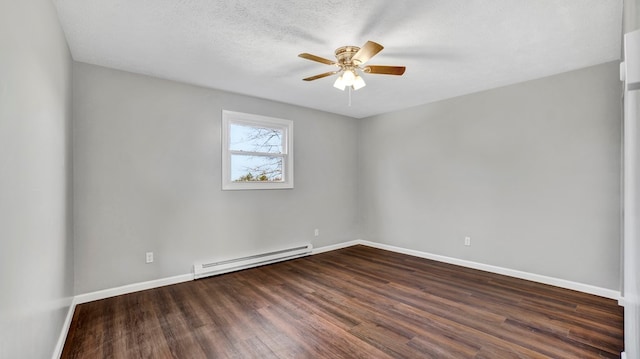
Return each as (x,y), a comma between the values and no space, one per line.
(350,61)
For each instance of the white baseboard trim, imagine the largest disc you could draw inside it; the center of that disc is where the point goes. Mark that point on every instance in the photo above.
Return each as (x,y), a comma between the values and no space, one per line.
(333,247)
(562,283)
(130,288)
(581,287)
(57,352)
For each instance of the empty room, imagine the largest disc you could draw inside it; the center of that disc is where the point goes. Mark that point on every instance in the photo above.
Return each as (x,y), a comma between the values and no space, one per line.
(355,179)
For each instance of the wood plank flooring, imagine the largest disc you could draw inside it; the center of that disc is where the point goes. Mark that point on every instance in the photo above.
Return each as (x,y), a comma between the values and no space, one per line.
(357,302)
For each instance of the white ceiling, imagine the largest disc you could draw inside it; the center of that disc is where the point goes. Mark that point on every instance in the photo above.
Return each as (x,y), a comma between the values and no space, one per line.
(450,47)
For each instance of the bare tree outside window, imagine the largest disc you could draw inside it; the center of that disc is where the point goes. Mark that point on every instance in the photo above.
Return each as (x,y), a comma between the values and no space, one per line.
(256,153)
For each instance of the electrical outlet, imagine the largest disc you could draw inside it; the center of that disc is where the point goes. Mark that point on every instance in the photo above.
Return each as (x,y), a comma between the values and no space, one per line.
(467,241)
(149,257)
(316,232)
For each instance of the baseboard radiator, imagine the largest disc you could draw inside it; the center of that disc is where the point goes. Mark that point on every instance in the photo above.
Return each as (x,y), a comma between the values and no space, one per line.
(207,269)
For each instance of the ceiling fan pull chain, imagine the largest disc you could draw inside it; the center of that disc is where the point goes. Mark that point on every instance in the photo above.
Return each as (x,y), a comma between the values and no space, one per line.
(349,96)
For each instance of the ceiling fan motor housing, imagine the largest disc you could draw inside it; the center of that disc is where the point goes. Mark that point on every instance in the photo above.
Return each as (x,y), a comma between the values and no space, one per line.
(344,55)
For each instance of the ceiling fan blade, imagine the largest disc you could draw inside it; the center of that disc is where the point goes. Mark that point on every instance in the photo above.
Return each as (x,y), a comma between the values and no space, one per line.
(384,70)
(320,76)
(369,50)
(315,58)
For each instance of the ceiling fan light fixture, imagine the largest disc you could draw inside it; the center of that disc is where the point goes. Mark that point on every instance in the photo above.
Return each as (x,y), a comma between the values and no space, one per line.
(348,77)
(339,84)
(358,83)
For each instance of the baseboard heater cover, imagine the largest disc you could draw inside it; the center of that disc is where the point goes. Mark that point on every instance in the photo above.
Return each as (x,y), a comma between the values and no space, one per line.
(207,269)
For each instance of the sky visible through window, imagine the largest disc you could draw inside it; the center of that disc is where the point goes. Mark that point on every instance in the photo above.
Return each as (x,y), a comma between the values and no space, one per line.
(258,139)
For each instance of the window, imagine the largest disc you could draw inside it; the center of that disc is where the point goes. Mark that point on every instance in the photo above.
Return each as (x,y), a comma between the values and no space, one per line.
(257,152)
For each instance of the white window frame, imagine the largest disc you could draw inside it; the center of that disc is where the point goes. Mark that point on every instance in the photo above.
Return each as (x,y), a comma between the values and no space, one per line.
(231,117)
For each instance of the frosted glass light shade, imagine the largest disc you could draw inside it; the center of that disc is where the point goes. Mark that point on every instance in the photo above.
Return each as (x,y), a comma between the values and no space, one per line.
(348,77)
(339,84)
(358,83)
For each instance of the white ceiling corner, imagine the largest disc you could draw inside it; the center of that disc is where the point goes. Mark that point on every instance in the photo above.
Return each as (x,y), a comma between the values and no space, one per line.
(450,47)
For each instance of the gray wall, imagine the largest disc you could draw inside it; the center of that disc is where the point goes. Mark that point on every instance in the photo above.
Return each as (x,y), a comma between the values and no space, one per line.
(36,264)
(147,178)
(531,172)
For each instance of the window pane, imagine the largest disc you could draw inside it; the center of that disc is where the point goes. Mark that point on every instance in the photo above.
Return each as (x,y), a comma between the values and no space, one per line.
(255,138)
(257,152)
(256,168)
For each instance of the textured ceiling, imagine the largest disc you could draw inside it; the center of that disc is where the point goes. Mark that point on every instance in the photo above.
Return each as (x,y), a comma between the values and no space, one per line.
(450,47)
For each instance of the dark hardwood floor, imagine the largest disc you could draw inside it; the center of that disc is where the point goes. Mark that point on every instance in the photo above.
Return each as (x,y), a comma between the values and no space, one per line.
(357,302)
